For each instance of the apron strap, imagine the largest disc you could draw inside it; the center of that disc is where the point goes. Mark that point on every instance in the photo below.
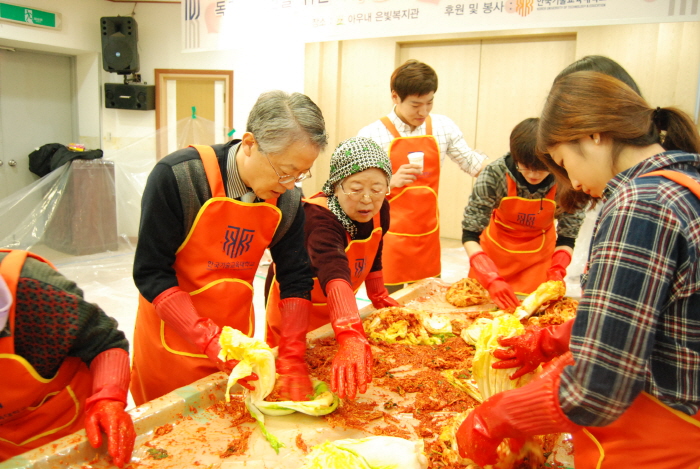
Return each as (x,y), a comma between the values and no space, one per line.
(211,168)
(390,127)
(316,200)
(680,178)
(428,125)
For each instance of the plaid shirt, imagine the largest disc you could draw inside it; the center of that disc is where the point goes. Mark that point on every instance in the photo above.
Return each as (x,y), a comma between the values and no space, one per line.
(450,139)
(638,323)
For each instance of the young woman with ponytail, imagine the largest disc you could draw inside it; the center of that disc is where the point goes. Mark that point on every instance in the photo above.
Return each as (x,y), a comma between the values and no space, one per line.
(628,388)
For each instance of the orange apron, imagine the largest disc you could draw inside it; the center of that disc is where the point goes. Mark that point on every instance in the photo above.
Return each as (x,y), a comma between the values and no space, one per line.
(412,245)
(216,265)
(650,434)
(520,238)
(35,411)
(360,254)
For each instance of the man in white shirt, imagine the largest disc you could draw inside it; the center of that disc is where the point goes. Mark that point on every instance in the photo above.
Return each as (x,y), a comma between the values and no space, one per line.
(416,142)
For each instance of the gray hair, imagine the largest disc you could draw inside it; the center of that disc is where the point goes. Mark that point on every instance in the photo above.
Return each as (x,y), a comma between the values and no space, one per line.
(279,119)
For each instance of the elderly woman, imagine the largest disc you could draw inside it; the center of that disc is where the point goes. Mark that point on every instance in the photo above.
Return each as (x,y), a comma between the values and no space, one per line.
(344,228)
(208,214)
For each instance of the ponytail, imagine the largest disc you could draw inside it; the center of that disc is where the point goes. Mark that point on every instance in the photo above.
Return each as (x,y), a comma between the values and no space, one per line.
(676,130)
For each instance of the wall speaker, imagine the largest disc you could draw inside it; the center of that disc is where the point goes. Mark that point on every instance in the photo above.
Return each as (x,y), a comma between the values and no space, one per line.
(128,96)
(119,41)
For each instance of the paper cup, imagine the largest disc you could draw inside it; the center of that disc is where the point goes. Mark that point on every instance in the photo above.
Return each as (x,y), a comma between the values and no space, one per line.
(416,157)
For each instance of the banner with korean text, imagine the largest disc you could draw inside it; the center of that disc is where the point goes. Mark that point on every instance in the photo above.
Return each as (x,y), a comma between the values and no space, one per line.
(327,20)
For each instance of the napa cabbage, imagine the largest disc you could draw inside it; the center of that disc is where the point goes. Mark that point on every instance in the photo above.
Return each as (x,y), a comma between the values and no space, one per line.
(256,357)
(375,452)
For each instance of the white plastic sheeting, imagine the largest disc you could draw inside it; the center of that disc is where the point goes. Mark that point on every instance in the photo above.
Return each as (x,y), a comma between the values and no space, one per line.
(29,215)
(90,238)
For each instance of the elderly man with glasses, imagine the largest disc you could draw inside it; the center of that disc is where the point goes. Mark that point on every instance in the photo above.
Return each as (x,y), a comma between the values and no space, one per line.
(509,229)
(208,214)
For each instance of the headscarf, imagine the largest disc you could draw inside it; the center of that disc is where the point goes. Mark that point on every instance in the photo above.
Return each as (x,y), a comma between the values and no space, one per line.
(352,156)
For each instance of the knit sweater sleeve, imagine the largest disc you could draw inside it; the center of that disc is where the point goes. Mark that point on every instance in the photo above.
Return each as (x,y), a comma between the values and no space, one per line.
(568,226)
(53,321)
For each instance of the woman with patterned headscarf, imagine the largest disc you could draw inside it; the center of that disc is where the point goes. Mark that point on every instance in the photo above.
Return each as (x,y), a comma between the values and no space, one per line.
(344,227)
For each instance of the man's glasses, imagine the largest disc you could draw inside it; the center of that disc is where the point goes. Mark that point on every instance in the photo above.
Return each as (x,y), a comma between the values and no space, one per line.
(287,178)
(358,195)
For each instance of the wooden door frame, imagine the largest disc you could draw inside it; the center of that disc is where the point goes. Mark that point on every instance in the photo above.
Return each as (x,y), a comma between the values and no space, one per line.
(163,74)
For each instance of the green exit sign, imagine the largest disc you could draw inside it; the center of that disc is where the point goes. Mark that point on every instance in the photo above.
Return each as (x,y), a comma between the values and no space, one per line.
(29,16)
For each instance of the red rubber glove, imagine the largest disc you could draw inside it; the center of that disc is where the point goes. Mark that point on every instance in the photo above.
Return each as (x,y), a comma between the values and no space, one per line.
(560,261)
(104,410)
(377,292)
(291,367)
(527,411)
(352,364)
(486,273)
(534,346)
(227,366)
(174,306)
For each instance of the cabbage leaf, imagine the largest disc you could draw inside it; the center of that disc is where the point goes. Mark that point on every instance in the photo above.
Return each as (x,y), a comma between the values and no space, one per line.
(255,356)
(375,452)
(491,381)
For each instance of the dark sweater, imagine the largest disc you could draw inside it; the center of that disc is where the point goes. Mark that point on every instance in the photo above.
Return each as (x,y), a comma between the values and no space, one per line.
(176,190)
(326,240)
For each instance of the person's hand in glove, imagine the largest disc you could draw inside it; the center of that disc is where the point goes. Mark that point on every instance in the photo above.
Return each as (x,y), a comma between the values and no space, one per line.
(352,364)
(533,347)
(104,409)
(560,261)
(527,411)
(486,272)
(174,306)
(377,292)
(213,350)
(293,373)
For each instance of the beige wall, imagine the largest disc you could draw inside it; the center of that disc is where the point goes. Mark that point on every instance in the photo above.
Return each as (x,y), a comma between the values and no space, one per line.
(488,82)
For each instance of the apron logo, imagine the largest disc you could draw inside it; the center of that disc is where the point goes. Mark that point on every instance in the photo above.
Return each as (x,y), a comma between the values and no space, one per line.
(237,241)
(359,266)
(527,219)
